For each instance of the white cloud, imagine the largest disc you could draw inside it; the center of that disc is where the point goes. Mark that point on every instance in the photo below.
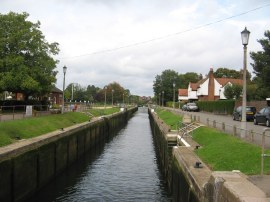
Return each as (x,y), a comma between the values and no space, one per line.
(84,27)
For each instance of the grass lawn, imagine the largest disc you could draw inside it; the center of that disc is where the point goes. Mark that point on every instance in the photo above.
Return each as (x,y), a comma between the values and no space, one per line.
(226,153)
(169,118)
(223,152)
(32,127)
(101,112)
(35,126)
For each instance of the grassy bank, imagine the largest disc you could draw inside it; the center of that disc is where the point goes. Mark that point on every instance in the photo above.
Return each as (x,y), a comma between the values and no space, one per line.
(226,153)
(169,118)
(223,152)
(32,127)
(102,112)
(12,131)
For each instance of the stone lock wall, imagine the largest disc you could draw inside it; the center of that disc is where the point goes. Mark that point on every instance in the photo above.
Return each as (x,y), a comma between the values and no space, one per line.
(28,165)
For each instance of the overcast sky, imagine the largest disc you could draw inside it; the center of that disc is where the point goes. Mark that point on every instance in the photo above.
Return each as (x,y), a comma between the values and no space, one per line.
(132,41)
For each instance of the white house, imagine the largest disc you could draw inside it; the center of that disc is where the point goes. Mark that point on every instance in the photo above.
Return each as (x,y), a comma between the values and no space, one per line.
(209,88)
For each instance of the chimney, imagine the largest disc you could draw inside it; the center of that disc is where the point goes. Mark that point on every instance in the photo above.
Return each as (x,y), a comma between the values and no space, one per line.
(211,85)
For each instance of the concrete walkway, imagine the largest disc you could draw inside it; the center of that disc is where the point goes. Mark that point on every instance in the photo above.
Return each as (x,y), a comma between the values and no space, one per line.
(262,182)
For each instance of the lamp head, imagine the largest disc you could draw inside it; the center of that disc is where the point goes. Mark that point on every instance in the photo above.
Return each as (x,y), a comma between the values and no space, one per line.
(64,69)
(245,36)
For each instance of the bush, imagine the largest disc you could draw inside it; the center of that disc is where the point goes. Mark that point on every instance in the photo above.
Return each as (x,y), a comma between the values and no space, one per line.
(170,104)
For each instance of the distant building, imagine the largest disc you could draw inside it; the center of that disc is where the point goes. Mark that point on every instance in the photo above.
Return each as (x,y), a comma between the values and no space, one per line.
(56,96)
(207,89)
(182,94)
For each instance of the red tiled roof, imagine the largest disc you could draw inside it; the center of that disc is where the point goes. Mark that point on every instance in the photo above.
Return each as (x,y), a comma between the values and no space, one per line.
(193,86)
(224,81)
(183,92)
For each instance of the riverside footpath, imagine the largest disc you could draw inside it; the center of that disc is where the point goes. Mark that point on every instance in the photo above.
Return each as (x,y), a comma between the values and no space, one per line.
(225,123)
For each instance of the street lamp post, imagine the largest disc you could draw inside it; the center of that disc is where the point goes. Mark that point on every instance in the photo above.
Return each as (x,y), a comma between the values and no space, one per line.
(63,101)
(159,98)
(173,94)
(163,98)
(245,36)
(112,96)
(105,96)
(72,89)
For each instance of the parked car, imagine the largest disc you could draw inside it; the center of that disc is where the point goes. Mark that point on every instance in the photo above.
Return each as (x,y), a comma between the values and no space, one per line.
(263,116)
(192,107)
(184,107)
(250,112)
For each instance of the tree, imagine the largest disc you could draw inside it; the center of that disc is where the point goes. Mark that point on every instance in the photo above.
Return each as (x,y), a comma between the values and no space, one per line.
(26,63)
(189,77)
(233,91)
(261,66)
(227,73)
(118,94)
(223,72)
(164,83)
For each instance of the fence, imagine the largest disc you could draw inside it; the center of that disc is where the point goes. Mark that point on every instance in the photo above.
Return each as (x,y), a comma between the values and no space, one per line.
(247,135)
(19,111)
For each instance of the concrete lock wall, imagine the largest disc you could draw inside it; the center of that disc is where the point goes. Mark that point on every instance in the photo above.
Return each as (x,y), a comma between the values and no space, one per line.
(28,165)
(163,144)
(186,182)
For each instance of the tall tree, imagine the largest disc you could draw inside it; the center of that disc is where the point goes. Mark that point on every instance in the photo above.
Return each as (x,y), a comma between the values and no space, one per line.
(261,66)
(118,93)
(26,62)
(164,83)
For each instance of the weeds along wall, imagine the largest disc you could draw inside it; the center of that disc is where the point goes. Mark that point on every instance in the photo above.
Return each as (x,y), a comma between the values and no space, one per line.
(28,165)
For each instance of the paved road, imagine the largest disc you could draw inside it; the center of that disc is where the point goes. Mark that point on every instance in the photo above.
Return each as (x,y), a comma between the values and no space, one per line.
(227,124)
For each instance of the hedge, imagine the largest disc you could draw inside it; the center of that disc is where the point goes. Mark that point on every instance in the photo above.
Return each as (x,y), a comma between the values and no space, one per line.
(218,107)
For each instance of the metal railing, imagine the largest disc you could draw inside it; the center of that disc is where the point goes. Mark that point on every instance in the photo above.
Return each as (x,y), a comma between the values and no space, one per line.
(19,111)
(249,135)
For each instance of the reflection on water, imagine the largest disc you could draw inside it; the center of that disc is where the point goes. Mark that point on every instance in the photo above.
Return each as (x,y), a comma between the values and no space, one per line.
(123,169)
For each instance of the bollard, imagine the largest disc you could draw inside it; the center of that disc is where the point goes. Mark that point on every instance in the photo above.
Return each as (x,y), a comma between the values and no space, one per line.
(252,135)
(199,119)
(207,120)
(214,123)
(234,130)
(223,126)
